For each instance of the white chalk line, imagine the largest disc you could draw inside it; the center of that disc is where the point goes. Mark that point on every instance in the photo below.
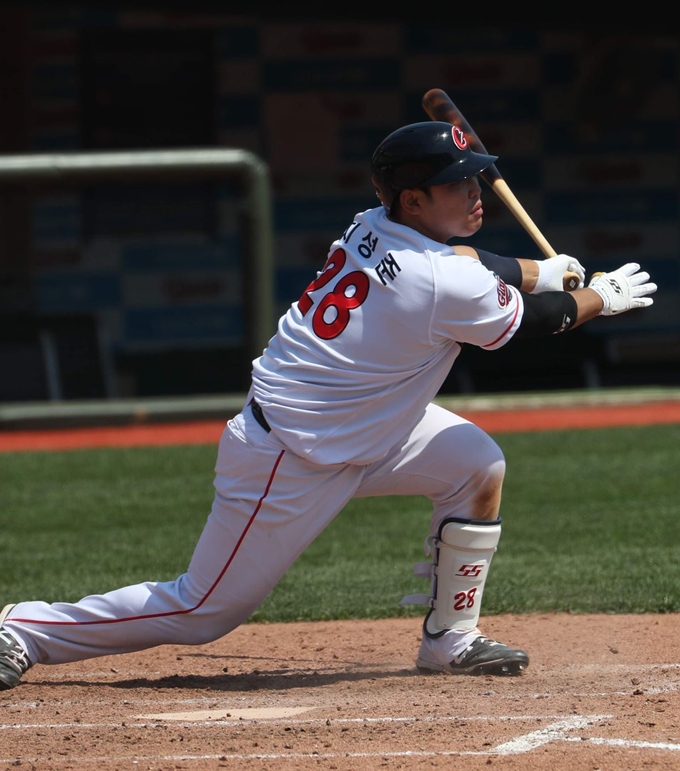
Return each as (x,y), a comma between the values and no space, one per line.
(553,732)
(519,745)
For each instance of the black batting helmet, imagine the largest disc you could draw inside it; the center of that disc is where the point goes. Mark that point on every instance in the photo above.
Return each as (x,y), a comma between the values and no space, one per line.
(424,154)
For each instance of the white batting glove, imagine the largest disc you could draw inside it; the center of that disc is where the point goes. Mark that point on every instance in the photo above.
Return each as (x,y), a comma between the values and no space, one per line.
(551,273)
(625,288)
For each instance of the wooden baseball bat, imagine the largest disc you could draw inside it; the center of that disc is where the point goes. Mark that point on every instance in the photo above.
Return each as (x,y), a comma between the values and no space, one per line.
(439,106)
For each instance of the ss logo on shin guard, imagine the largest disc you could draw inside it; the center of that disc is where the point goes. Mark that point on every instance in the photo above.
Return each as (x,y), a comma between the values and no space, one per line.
(473,571)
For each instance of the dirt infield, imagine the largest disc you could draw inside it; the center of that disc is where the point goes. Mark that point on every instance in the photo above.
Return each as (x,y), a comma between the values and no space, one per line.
(601,692)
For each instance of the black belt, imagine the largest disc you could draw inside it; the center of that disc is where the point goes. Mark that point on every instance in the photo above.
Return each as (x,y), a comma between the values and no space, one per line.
(259,415)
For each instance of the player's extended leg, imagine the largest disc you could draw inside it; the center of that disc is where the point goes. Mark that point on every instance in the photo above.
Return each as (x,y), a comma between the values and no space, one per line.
(461,469)
(269,506)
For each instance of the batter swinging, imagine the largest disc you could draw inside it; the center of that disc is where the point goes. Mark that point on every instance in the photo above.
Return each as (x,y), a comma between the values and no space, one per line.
(340,407)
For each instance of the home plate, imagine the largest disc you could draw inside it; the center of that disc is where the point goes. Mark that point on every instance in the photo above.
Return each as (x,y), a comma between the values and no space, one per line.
(254,713)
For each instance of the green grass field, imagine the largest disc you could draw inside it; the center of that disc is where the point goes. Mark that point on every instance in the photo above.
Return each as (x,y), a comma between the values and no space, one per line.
(591,524)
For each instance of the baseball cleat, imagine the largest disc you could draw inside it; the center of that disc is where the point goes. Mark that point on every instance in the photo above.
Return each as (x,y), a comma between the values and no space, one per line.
(481,657)
(13,661)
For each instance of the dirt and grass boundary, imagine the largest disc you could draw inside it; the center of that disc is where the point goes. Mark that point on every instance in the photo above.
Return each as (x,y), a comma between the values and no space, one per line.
(200,420)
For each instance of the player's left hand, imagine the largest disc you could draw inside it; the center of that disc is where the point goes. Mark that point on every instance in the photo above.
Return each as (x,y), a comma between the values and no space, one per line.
(623,289)
(551,273)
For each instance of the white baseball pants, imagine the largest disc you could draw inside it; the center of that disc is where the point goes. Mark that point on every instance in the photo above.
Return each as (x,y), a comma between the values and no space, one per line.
(269,505)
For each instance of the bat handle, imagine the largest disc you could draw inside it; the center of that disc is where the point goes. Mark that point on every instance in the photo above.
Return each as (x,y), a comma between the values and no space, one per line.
(596,274)
(570,281)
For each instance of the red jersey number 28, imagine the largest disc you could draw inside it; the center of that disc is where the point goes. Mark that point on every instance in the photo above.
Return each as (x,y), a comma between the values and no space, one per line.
(331,315)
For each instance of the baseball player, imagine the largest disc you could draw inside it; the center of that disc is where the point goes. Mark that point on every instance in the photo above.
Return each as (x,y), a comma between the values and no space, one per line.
(341,407)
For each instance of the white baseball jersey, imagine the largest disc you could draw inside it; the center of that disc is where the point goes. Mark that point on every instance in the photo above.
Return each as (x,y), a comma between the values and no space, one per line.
(359,356)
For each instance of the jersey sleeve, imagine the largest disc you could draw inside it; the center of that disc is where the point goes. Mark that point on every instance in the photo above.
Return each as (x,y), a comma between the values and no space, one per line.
(474,305)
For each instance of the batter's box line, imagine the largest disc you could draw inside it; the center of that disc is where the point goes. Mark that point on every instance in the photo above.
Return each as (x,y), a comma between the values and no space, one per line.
(551,733)
(519,745)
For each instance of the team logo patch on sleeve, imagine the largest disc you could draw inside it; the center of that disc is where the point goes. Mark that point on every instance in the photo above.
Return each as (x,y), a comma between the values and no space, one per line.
(503,294)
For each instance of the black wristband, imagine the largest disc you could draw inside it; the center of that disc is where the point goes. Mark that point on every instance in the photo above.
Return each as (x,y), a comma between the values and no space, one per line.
(547,313)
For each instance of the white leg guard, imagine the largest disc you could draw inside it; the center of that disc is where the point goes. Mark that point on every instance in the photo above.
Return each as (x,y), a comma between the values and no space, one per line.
(462,560)
(463,552)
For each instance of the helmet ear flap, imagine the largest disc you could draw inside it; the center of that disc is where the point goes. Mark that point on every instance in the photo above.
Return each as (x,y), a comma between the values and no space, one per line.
(378,189)
(383,192)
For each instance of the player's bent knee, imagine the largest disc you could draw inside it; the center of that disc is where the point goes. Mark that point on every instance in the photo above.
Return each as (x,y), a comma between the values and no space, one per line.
(493,457)
(474,491)
(481,451)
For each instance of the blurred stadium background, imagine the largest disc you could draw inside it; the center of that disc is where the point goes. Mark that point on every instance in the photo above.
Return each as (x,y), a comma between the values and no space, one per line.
(138,289)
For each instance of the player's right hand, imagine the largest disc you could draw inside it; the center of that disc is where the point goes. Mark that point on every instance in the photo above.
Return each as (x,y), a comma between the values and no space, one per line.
(622,289)
(551,273)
